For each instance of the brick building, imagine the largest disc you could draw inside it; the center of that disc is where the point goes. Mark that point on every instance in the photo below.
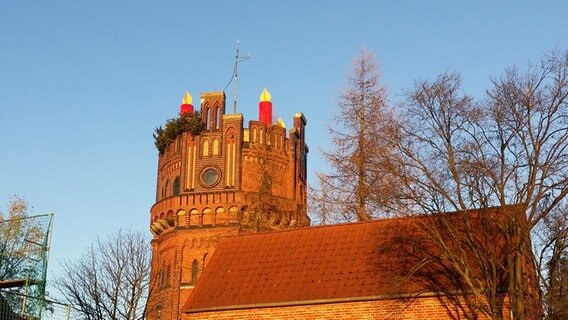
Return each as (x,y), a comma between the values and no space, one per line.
(225,180)
(383,269)
(231,211)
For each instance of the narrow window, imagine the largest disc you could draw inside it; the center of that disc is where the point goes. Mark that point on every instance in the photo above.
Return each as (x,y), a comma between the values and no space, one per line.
(168,275)
(215,147)
(217,117)
(205,148)
(206,113)
(165,190)
(194,272)
(176,186)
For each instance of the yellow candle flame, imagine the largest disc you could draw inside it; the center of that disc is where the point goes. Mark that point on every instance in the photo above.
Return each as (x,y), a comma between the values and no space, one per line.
(265,96)
(187,99)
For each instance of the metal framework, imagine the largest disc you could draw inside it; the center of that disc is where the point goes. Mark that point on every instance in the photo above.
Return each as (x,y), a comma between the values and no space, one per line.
(24,254)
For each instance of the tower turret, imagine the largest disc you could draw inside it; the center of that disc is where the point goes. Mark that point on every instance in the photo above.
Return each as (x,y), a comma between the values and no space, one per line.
(214,181)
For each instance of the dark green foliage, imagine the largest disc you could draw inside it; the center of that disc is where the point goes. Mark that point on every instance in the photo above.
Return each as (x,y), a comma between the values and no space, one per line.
(175,127)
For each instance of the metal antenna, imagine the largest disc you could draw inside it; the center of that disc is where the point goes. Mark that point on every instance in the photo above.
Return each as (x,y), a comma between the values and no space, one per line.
(236,75)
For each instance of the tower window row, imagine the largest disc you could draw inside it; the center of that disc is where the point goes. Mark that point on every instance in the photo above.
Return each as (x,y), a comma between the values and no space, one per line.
(195,217)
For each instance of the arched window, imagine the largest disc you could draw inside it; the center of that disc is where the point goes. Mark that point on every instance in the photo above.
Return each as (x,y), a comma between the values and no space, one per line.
(220,216)
(180,218)
(192,219)
(165,190)
(206,114)
(233,213)
(206,213)
(204,258)
(205,148)
(217,117)
(261,136)
(215,147)
(194,272)
(176,187)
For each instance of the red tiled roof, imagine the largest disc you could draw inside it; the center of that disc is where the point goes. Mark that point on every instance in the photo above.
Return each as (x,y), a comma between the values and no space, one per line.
(320,263)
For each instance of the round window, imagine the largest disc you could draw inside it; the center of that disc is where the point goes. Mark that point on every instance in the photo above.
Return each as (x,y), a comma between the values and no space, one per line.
(210,177)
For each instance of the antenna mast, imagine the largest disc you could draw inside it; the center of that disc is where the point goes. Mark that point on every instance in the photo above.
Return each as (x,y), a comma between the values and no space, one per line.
(236,76)
(236,79)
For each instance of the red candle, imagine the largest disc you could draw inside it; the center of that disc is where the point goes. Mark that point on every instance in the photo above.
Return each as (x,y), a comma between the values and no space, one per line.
(265,108)
(186,105)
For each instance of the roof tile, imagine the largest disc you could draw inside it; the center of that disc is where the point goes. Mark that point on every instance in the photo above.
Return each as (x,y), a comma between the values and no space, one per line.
(330,262)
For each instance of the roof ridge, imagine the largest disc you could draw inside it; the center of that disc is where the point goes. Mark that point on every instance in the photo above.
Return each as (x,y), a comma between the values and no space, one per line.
(380,220)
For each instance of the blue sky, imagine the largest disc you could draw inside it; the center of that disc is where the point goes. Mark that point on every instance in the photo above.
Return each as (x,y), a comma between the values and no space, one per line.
(83,84)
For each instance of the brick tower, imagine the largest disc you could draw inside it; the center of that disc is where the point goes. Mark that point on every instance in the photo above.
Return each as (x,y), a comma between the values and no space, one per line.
(224,180)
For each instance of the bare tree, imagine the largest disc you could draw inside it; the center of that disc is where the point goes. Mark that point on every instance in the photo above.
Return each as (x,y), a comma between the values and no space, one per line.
(551,248)
(111,280)
(358,182)
(457,154)
(320,201)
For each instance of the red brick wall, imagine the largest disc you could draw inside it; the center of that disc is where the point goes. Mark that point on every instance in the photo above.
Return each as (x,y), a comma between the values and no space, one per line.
(419,309)
(174,253)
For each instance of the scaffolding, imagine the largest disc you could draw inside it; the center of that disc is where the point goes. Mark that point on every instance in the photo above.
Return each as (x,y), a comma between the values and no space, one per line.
(24,253)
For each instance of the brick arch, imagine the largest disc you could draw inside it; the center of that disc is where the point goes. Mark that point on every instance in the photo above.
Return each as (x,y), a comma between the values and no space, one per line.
(232,214)
(193,217)
(231,134)
(181,218)
(220,215)
(206,216)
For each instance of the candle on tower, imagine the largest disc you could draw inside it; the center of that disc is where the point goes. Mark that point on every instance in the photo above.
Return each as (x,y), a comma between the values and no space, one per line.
(186,105)
(265,108)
